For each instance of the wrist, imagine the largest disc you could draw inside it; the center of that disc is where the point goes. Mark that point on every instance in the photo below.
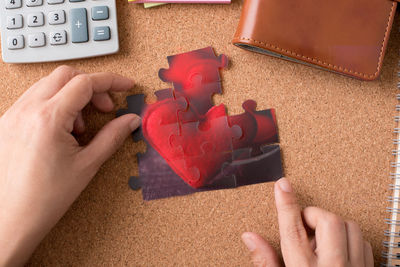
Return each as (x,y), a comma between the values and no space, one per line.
(20,233)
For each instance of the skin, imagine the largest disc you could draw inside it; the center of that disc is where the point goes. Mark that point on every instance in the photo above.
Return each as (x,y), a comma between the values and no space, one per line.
(44,169)
(334,241)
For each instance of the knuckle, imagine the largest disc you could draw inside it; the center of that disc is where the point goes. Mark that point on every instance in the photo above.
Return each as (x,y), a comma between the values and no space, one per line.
(65,70)
(334,220)
(352,225)
(295,232)
(368,245)
(83,83)
(259,260)
(83,79)
(288,208)
(44,115)
(117,139)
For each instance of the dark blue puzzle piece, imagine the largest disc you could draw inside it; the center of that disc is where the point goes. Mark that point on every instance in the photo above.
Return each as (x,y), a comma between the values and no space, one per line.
(136,105)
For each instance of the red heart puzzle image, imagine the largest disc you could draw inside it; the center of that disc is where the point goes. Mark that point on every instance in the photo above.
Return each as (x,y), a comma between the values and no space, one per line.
(196,138)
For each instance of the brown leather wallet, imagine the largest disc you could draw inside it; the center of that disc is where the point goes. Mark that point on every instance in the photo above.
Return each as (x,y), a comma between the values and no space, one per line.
(345,36)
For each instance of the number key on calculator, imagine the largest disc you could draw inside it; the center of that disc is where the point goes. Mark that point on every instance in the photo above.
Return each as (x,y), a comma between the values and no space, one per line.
(53,30)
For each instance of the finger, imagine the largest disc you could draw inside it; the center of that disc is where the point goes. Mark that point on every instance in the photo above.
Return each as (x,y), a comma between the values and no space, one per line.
(77,93)
(79,124)
(48,86)
(368,255)
(108,140)
(103,102)
(355,243)
(262,253)
(295,245)
(330,234)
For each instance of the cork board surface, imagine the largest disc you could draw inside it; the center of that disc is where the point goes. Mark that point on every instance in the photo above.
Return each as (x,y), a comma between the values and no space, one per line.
(335,133)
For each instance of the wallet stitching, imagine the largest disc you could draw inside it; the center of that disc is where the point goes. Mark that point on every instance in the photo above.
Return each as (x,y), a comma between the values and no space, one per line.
(329,64)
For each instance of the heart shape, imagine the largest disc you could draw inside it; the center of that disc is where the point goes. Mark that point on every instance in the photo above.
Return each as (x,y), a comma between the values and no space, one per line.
(195,150)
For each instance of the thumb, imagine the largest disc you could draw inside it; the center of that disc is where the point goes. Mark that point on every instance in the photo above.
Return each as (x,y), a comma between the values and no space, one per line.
(262,253)
(109,139)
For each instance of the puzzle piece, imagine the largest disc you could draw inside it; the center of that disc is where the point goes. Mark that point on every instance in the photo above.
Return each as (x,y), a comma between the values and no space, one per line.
(258,127)
(160,122)
(250,150)
(196,76)
(165,94)
(162,182)
(247,169)
(136,105)
(206,144)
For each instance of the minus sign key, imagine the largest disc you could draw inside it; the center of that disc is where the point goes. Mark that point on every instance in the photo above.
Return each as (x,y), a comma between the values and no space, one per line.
(100,13)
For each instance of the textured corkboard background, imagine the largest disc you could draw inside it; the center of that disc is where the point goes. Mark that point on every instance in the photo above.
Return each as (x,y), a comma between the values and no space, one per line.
(335,131)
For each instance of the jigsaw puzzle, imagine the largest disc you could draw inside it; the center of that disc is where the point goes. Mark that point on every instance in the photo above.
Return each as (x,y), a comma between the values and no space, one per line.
(195,146)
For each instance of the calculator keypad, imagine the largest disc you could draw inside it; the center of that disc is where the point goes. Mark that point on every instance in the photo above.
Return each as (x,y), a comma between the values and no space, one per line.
(15,42)
(32,3)
(101,33)
(56,17)
(36,40)
(58,38)
(54,2)
(79,27)
(100,13)
(11,4)
(35,19)
(14,22)
(37,25)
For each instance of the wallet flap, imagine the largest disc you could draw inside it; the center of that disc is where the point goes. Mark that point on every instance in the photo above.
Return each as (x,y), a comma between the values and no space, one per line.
(348,37)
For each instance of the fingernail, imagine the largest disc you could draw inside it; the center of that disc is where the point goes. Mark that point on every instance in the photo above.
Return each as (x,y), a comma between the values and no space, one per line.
(284,185)
(249,241)
(135,123)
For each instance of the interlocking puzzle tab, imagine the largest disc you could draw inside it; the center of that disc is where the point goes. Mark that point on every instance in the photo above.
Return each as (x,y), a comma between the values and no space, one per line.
(193,145)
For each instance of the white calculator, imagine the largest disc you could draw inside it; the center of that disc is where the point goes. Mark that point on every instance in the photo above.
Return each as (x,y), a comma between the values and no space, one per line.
(53,30)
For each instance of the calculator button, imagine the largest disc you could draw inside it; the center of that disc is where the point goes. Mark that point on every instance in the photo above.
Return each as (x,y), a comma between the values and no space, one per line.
(54,2)
(34,3)
(58,38)
(101,33)
(35,19)
(79,27)
(73,1)
(100,13)
(11,4)
(15,42)
(14,22)
(57,17)
(36,40)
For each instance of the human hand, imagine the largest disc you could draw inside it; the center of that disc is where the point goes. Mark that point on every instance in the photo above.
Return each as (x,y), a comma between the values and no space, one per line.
(335,242)
(42,167)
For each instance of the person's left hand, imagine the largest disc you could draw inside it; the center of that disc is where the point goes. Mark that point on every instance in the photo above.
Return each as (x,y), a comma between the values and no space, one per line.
(42,167)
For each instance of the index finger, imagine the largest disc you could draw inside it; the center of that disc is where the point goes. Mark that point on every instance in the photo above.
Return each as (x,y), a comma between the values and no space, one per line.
(296,248)
(78,92)
(48,86)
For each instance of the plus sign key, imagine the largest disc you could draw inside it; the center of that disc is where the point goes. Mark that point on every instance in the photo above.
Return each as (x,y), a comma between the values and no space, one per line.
(79,26)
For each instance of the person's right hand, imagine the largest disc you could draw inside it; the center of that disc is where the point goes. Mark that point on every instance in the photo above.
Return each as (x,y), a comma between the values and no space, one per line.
(335,242)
